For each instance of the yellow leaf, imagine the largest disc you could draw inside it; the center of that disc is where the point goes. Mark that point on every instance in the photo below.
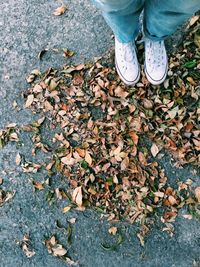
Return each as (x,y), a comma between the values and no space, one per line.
(197,39)
(66,209)
(191,81)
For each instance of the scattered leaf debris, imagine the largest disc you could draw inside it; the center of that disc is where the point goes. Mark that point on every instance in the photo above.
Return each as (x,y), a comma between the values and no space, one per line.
(26,246)
(58,250)
(5,196)
(55,248)
(8,134)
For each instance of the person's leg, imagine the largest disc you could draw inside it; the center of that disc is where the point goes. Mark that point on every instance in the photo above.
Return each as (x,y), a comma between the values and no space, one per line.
(163,17)
(122,16)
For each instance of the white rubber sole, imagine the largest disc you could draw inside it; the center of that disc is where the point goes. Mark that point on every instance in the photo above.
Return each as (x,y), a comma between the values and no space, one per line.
(129,83)
(156,82)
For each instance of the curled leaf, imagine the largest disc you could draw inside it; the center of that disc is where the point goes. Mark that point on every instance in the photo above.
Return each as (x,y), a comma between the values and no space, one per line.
(60,10)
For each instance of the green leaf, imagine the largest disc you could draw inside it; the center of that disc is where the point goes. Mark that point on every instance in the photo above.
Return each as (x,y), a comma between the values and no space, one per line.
(190,64)
(69,233)
(84,164)
(113,247)
(2,143)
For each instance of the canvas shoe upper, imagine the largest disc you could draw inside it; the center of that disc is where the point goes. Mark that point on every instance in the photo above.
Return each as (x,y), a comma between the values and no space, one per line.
(156,61)
(126,62)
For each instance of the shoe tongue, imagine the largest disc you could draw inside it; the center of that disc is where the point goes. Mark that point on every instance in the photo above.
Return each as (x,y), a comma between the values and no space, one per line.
(157,52)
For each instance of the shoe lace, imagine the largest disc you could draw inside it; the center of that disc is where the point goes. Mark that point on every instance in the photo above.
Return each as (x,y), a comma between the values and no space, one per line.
(155,53)
(127,53)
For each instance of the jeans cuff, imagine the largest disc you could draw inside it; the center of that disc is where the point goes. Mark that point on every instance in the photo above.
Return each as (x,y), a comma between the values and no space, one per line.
(128,39)
(153,37)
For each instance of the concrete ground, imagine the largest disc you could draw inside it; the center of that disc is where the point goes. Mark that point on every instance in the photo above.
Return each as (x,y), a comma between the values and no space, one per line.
(26,28)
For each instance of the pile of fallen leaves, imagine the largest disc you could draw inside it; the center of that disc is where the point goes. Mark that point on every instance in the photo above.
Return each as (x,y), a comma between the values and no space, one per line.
(99,125)
(99,145)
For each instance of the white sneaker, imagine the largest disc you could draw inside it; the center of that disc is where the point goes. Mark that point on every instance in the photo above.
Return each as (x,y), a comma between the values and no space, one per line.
(126,62)
(156,61)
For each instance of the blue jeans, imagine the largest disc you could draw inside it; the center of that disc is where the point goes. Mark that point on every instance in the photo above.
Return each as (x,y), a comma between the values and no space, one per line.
(161,17)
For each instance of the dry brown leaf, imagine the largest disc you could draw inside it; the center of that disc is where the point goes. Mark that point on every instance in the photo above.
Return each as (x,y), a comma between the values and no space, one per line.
(141,238)
(142,158)
(112,230)
(68,161)
(120,92)
(124,163)
(5,196)
(193,20)
(187,216)
(197,193)
(170,216)
(70,261)
(14,137)
(18,159)
(59,250)
(54,248)
(77,196)
(134,137)
(26,246)
(172,200)
(147,103)
(29,101)
(60,10)
(38,185)
(88,158)
(27,251)
(80,151)
(80,67)
(159,194)
(154,150)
